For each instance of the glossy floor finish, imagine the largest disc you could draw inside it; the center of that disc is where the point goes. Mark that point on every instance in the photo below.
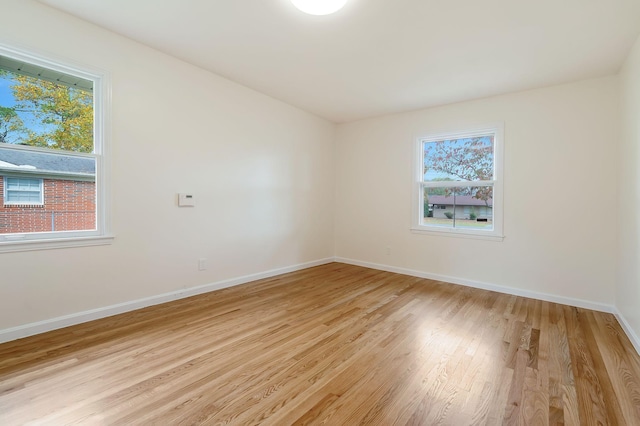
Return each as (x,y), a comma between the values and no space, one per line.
(335,345)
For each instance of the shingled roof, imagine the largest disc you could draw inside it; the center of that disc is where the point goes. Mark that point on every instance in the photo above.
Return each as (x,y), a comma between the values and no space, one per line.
(38,162)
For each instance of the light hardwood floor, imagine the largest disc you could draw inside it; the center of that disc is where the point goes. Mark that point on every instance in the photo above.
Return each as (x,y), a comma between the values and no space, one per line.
(335,345)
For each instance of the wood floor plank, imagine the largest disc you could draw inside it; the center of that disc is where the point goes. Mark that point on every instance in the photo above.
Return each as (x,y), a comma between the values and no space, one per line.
(570,405)
(336,345)
(619,364)
(588,387)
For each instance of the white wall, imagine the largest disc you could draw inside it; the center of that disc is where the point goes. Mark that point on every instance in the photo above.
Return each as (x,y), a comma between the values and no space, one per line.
(262,172)
(628,288)
(264,175)
(560,192)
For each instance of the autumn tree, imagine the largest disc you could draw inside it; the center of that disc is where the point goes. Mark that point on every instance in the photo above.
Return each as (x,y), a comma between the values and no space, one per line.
(65,114)
(468,159)
(11,126)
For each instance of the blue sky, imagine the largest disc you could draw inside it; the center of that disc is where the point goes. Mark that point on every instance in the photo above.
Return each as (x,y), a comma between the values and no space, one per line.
(7,100)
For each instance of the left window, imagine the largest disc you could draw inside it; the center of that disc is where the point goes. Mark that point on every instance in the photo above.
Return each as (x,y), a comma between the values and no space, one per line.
(52,153)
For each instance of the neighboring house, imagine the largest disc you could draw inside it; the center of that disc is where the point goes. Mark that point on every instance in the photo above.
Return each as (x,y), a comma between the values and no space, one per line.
(43,192)
(464,206)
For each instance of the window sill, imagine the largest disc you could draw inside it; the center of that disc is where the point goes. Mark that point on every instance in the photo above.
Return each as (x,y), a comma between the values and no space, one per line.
(458,234)
(54,243)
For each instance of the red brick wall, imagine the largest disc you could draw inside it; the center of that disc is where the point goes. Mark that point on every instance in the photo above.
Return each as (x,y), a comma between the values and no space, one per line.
(72,204)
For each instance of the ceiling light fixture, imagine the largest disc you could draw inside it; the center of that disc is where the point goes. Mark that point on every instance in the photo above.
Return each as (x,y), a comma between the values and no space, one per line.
(319,7)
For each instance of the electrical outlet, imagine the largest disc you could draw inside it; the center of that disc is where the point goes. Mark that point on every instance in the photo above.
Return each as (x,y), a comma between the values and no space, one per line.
(388,251)
(202,264)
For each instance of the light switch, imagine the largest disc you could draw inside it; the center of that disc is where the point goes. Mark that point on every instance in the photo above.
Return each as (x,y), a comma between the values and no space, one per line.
(186,200)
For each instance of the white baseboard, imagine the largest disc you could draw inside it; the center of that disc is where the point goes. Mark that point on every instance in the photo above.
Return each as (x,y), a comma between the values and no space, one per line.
(635,341)
(601,307)
(107,311)
(93,314)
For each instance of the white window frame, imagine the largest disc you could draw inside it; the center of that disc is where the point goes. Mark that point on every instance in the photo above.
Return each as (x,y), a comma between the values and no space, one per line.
(8,202)
(417,225)
(101,136)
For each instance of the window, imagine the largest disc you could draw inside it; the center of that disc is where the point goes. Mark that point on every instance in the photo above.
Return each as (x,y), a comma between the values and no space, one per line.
(52,154)
(22,191)
(458,183)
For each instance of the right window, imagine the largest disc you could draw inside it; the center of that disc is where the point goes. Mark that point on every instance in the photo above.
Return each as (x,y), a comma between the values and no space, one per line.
(458,183)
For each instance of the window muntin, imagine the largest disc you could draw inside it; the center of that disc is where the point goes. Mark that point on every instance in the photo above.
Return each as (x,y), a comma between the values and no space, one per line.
(77,137)
(458,183)
(23,191)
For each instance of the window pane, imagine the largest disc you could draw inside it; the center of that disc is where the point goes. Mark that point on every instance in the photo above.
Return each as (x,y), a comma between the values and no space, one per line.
(23,197)
(17,184)
(466,207)
(45,108)
(465,159)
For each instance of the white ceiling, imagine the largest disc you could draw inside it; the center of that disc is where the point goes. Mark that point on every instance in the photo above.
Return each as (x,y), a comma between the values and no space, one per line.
(381,56)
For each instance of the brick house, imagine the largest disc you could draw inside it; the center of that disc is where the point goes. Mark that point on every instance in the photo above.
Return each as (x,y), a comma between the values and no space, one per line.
(45,192)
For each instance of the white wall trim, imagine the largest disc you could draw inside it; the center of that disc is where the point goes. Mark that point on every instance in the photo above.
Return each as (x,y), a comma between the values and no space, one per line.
(601,307)
(635,341)
(31,329)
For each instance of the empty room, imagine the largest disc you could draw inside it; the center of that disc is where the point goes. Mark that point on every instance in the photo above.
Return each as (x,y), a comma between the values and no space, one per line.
(343,212)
